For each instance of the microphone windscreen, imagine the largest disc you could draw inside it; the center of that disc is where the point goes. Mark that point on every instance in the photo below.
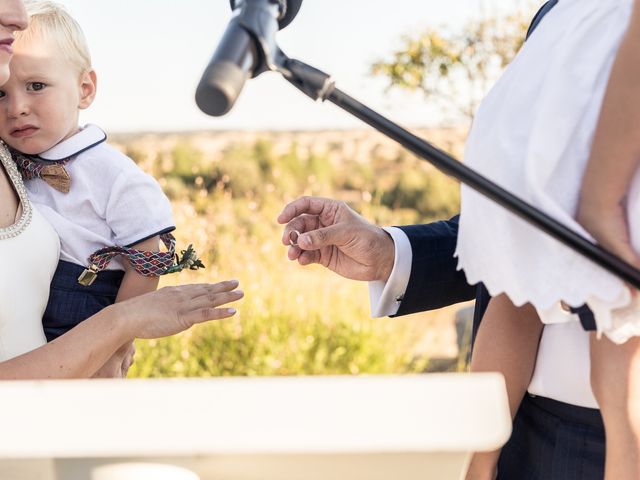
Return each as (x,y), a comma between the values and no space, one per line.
(219,87)
(230,67)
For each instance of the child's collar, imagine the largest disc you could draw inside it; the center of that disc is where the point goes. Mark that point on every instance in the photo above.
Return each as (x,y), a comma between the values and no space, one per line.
(88,137)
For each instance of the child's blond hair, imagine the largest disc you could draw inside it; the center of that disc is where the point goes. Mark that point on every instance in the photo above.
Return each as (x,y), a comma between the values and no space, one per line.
(51,21)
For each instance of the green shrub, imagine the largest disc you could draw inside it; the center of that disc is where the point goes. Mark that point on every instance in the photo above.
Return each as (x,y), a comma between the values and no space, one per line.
(292,320)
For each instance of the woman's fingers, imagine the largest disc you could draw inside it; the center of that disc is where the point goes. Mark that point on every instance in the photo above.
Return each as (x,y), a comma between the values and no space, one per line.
(187,293)
(204,307)
(220,287)
(171,310)
(214,299)
(609,227)
(217,291)
(205,314)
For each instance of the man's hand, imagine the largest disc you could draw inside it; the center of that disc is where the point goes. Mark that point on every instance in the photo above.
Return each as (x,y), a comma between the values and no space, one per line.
(336,237)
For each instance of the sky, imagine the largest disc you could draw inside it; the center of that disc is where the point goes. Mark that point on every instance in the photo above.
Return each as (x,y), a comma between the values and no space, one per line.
(149,56)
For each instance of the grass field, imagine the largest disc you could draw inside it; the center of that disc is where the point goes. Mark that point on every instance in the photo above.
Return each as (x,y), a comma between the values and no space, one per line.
(293,320)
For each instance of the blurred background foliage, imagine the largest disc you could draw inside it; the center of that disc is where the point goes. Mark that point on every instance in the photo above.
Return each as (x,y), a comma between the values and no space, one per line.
(293,320)
(456,69)
(228,188)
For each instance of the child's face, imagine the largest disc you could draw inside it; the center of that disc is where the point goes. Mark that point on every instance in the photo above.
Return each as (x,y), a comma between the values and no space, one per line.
(40,103)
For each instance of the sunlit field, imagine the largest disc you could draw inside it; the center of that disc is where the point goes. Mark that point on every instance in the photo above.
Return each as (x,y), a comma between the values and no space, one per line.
(227,190)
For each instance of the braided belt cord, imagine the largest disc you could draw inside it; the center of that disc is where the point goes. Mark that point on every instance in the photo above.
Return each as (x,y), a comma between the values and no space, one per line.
(149,264)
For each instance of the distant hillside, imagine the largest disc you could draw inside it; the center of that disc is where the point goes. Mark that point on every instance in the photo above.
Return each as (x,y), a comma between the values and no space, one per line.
(227,189)
(352,145)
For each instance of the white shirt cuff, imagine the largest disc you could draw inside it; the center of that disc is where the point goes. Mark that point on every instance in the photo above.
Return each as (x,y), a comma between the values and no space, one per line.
(385,297)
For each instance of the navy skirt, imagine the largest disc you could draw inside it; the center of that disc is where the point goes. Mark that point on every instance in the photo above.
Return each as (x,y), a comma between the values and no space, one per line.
(70,303)
(552,440)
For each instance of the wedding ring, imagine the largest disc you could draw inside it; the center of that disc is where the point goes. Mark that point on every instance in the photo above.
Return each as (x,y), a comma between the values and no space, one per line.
(293,238)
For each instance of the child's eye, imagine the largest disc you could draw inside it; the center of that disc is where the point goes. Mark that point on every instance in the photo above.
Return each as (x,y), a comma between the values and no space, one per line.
(36,86)
(2,94)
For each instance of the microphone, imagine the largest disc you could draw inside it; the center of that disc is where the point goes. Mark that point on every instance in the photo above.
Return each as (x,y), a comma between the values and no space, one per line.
(246,50)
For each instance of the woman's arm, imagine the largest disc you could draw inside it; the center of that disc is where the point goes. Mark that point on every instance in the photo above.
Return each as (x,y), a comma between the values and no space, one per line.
(76,354)
(615,154)
(81,351)
(133,284)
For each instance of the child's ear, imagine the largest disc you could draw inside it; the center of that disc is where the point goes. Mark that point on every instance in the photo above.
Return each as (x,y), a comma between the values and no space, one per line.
(88,87)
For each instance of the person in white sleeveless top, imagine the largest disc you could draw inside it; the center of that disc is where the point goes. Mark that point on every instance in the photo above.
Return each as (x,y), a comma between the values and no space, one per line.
(561,92)
(110,216)
(543,156)
(29,249)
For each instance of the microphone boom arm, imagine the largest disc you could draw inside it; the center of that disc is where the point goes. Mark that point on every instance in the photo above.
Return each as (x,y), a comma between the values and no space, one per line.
(319,86)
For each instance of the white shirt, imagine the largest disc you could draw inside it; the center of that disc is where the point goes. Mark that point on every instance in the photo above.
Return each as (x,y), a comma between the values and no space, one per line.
(562,367)
(532,135)
(110,201)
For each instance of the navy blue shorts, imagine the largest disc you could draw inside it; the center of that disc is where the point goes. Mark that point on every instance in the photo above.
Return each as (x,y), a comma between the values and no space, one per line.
(70,303)
(552,440)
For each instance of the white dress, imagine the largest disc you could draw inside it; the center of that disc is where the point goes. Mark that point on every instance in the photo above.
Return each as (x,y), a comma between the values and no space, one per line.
(532,135)
(28,258)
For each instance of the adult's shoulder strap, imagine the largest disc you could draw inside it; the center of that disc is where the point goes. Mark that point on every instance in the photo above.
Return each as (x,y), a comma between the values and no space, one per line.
(540,15)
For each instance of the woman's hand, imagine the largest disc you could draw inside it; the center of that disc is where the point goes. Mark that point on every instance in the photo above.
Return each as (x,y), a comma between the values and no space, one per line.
(171,310)
(338,238)
(606,220)
(81,351)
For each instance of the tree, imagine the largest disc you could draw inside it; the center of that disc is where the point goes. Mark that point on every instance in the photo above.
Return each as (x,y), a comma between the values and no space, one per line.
(455,69)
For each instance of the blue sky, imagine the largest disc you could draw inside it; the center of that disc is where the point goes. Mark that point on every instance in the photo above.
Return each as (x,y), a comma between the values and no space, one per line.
(149,55)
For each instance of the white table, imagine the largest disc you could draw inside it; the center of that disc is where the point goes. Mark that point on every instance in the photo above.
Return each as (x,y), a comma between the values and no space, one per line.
(282,428)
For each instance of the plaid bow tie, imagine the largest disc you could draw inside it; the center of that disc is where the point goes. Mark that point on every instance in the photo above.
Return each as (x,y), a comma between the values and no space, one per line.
(53,173)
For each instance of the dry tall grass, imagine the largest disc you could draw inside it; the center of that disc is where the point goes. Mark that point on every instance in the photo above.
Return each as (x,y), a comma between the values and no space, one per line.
(293,320)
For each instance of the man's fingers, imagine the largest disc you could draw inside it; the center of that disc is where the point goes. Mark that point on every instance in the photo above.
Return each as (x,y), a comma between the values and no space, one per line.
(293,252)
(304,257)
(307,258)
(304,205)
(333,235)
(301,224)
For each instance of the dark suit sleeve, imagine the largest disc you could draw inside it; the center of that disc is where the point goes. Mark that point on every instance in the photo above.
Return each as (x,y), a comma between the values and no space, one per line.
(434,282)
